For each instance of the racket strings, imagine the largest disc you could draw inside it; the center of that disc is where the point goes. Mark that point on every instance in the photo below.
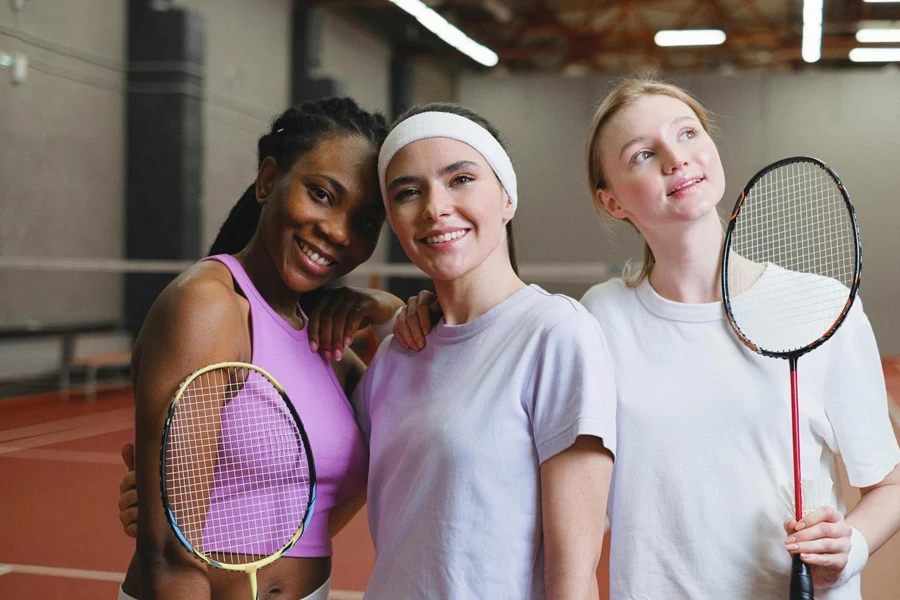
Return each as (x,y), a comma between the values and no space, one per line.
(237,472)
(793,258)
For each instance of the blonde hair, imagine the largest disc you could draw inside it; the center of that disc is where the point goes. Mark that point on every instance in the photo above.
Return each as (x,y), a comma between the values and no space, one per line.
(627,92)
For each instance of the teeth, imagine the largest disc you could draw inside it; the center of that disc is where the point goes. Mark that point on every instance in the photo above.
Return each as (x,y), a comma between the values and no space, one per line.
(445,237)
(684,185)
(314,256)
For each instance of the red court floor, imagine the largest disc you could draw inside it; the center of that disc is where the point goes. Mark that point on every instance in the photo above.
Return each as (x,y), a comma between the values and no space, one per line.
(59,532)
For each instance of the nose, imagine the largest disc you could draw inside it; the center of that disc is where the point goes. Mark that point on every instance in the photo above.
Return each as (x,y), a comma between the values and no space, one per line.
(437,204)
(336,229)
(673,159)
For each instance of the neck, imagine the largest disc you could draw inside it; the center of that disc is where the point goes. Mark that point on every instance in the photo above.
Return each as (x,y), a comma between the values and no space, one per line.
(689,261)
(466,298)
(261,270)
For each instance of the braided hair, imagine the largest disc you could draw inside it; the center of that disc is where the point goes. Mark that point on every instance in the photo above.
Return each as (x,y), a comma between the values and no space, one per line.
(294,133)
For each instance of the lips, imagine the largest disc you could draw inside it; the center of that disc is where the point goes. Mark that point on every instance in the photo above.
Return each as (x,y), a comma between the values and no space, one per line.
(684,183)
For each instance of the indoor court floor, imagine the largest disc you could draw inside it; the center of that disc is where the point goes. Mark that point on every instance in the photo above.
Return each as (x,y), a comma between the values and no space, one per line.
(61,537)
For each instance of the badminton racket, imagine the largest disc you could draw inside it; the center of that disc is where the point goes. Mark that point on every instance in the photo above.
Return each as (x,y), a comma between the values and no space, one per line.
(236,471)
(791,269)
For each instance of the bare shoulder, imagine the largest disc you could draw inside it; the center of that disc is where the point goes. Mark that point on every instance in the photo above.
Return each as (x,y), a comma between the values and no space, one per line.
(198,318)
(202,295)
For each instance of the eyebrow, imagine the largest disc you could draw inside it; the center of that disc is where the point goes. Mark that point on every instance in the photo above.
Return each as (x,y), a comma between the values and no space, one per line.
(460,164)
(642,138)
(337,185)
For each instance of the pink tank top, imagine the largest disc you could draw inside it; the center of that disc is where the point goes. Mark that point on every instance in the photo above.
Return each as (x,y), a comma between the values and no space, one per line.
(335,440)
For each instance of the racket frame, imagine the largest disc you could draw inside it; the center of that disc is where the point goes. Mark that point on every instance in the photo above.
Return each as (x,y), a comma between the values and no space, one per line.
(732,222)
(249,568)
(801,586)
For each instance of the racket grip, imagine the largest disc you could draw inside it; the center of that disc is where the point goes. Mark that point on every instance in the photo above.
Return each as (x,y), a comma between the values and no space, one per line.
(801,580)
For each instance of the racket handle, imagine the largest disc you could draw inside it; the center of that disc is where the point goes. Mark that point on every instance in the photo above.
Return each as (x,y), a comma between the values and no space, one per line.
(801,580)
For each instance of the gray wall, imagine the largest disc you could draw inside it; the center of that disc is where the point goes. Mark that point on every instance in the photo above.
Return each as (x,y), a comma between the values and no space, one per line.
(849,119)
(62,137)
(248,83)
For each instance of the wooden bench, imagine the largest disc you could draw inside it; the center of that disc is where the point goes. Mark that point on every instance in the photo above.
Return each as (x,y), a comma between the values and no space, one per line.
(67,333)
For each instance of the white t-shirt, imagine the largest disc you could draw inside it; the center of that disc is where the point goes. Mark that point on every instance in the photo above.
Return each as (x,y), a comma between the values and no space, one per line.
(704,445)
(457,435)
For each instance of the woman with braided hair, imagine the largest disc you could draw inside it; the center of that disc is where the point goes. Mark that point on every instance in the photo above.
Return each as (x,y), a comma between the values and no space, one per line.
(313,214)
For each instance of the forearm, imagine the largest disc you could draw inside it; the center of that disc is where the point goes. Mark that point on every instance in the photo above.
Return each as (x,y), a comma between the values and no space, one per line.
(344,513)
(571,581)
(877,516)
(574,486)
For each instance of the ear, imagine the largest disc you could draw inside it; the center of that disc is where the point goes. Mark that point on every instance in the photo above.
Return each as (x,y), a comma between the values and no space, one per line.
(266,179)
(508,212)
(608,201)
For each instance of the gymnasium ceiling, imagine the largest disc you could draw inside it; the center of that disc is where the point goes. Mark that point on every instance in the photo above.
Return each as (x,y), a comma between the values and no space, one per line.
(594,36)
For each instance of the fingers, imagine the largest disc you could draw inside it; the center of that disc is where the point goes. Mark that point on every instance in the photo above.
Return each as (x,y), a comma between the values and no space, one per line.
(413,323)
(401,331)
(129,481)
(821,531)
(128,518)
(128,500)
(789,526)
(423,320)
(821,538)
(127,452)
(821,546)
(315,317)
(128,509)
(429,310)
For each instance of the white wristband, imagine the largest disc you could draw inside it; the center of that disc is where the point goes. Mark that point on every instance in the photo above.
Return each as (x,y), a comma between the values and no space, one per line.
(385,329)
(856,559)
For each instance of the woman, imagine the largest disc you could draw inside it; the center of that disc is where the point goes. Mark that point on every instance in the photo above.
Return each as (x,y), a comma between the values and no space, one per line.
(490,450)
(312,215)
(710,419)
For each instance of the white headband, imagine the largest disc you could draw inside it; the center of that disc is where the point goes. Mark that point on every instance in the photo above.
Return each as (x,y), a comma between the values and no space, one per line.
(447,125)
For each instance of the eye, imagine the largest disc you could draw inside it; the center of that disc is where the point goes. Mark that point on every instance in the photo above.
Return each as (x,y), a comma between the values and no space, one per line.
(368,222)
(462,179)
(641,156)
(320,195)
(687,134)
(405,194)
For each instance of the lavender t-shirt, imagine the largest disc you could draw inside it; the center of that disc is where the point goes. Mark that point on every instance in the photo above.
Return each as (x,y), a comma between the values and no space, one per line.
(457,434)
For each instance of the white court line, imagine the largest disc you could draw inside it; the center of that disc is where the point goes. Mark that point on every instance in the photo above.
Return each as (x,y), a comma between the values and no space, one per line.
(62,572)
(344,595)
(64,424)
(67,436)
(118,577)
(95,458)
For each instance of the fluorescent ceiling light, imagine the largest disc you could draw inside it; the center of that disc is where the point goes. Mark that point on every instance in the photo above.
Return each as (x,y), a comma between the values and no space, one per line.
(439,26)
(875,54)
(811,47)
(878,36)
(689,37)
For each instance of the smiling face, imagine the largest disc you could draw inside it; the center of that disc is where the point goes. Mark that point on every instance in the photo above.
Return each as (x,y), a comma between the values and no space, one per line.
(321,219)
(448,208)
(660,165)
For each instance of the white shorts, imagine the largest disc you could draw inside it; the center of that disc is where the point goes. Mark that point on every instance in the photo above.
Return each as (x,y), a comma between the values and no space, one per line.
(319,594)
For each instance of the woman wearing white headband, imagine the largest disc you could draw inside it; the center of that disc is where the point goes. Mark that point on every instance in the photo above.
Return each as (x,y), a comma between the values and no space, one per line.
(491,450)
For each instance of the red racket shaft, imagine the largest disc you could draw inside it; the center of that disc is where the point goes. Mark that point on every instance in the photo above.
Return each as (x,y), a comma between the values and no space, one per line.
(801,578)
